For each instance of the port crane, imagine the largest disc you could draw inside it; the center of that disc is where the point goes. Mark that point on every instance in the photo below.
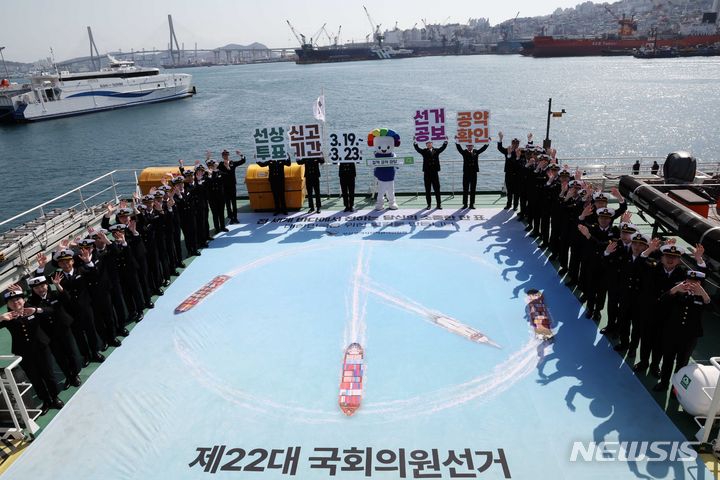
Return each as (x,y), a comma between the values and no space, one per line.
(379,37)
(298,36)
(315,38)
(628,26)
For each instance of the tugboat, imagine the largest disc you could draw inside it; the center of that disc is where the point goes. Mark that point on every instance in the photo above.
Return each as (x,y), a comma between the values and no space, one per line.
(351,382)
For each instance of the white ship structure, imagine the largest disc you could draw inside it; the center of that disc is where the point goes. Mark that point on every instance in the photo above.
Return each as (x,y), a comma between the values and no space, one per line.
(63,94)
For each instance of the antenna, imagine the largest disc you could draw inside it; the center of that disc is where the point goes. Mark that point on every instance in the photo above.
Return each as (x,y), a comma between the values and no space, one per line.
(93,50)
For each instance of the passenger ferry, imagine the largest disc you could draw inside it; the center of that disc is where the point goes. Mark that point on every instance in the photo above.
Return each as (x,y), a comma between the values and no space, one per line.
(63,94)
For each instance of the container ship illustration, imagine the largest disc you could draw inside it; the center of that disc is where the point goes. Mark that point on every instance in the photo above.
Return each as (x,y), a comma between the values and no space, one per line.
(351,383)
(203,292)
(539,314)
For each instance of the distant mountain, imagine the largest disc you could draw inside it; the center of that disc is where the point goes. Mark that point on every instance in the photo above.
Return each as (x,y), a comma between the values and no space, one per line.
(235,46)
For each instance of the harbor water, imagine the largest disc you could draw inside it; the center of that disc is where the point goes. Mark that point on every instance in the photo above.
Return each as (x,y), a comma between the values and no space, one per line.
(616,106)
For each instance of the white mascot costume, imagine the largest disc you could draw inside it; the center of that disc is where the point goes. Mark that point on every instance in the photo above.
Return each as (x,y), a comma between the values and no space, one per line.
(383,141)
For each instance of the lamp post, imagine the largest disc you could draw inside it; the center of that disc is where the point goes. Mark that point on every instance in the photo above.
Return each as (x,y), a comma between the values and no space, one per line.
(7,74)
(547,142)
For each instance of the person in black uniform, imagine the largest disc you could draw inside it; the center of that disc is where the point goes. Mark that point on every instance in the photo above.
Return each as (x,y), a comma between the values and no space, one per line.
(598,236)
(347,173)
(431,169)
(277,182)
(79,304)
(312,179)
(614,257)
(185,204)
(512,160)
(470,171)
(684,304)
(31,343)
(99,288)
(633,287)
(655,167)
(662,277)
(126,266)
(227,167)
(116,294)
(57,327)
(216,195)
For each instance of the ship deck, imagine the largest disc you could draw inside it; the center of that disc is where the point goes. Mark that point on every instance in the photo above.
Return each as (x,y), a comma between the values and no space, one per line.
(255,365)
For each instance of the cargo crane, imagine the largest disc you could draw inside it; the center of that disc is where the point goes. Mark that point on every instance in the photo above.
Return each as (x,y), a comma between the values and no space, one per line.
(337,37)
(315,38)
(377,36)
(628,26)
(299,36)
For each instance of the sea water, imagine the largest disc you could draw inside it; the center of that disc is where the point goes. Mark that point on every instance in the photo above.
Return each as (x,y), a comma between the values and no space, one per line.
(616,106)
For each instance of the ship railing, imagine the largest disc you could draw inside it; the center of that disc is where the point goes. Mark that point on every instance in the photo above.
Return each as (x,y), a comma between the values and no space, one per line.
(66,216)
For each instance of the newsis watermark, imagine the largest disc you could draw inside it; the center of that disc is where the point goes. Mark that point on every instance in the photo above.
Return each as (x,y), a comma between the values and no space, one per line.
(634,451)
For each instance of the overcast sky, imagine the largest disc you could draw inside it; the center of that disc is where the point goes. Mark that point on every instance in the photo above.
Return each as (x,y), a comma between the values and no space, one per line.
(28,28)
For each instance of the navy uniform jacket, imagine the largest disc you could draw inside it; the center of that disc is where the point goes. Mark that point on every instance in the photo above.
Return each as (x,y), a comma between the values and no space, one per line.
(277,167)
(312,166)
(470,159)
(684,315)
(27,334)
(431,157)
(58,320)
(511,161)
(229,178)
(347,169)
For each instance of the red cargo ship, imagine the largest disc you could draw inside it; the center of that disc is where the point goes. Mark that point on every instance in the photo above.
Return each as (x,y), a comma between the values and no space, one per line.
(351,382)
(623,43)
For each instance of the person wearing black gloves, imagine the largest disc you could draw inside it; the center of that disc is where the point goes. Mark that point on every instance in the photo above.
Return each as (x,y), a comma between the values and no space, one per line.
(431,169)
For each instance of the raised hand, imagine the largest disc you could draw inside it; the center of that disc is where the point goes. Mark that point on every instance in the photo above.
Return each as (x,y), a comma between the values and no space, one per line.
(197,162)
(698,253)
(654,245)
(626,217)
(41,259)
(57,278)
(15,287)
(500,136)
(85,255)
(578,174)
(588,210)
(671,241)
(612,246)
(27,311)
(616,193)
(123,204)
(110,209)
(132,226)
(239,153)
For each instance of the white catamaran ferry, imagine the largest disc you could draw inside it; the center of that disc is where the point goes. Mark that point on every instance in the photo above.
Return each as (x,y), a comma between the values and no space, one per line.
(121,84)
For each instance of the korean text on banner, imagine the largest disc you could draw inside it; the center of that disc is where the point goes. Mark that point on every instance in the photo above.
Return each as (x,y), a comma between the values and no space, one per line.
(345,147)
(473,126)
(270,143)
(429,125)
(305,141)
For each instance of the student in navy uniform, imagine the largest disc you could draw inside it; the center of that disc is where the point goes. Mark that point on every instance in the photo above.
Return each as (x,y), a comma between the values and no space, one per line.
(347,173)
(216,195)
(184,199)
(31,343)
(614,257)
(470,171)
(79,304)
(57,327)
(127,270)
(227,167)
(312,179)
(98,285)
(683,306)
(598,237)
(662,277)
(511,170)
(277,182)
(431,169)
